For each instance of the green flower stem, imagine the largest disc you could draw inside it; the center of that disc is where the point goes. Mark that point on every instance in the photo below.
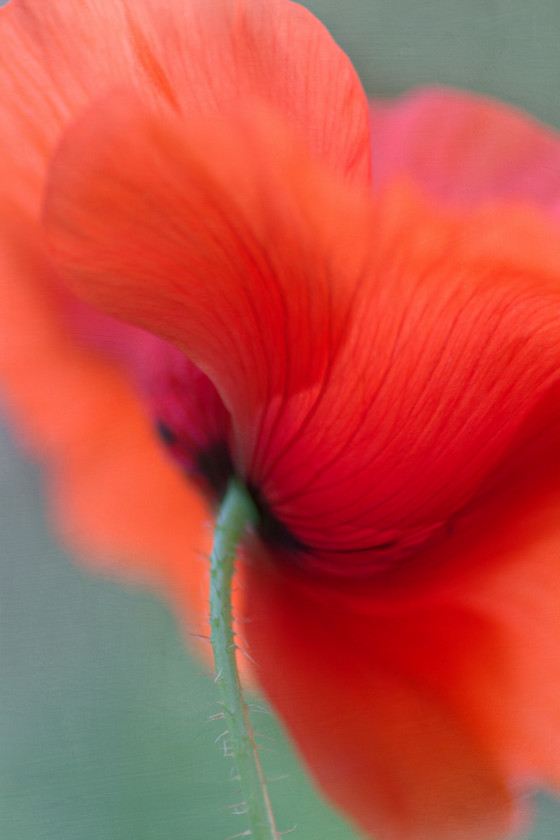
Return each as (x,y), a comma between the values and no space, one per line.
(236,513)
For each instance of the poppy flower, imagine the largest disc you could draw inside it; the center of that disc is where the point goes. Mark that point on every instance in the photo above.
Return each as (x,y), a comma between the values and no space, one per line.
(208,234)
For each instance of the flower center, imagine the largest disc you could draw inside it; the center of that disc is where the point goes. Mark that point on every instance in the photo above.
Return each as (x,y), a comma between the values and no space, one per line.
(212,468)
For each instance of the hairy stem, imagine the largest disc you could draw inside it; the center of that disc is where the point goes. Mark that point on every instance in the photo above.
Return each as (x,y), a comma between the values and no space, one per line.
(236,513)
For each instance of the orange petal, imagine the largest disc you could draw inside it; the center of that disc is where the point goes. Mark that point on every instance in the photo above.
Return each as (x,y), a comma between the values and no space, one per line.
(116,497)
(197,57)
(219,55)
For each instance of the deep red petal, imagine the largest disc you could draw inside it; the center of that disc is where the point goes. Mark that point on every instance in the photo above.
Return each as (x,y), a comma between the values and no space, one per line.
(454,344)
(465,149)
(450,668)
(382,743)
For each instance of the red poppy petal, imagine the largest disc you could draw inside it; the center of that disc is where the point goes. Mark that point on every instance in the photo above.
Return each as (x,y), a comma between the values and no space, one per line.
(56,57)
(465,149)
(420,352)
(458,646)
(228,51)
(116,496)
(389,750)
(454,344)
(187,230)
(198,57)
(503,562)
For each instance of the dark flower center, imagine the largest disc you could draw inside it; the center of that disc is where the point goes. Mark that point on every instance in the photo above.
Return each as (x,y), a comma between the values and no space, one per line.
(213,469)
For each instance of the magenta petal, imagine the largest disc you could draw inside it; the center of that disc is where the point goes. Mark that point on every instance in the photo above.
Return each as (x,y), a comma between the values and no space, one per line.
(465,149)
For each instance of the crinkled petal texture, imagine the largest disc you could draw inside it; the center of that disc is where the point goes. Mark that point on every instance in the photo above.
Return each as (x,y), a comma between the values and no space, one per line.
(392,374)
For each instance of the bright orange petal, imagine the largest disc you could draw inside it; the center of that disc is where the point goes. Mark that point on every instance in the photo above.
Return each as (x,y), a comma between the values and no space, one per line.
(115,495)
(196,57)
(219,55)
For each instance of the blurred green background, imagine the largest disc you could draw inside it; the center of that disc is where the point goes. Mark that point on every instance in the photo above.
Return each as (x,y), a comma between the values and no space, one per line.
(102,713)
